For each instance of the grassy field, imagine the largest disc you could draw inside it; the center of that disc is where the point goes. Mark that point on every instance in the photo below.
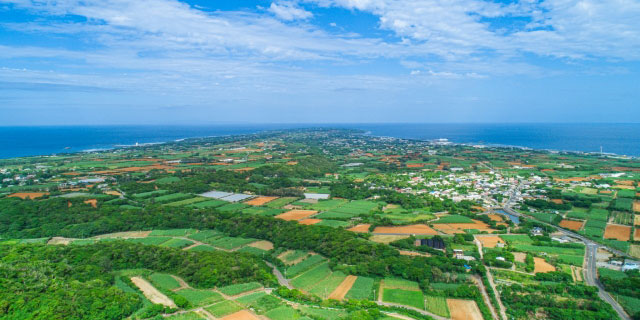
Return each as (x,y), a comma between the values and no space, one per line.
(313,277)
(324,288)
(328,314)
(303,266)
(397,283)
(232,207)
(224,308)
(229,243)
(437,305)
(260,302)
(164,281)
(453,219)
(236,289)
(149,240)
(623,204)
(172,197)
(517,239)
(200,298)
(361,289)
(280,202)
(283,313)
(206,234)
(333,223)
(404,297)
(630,304)
(293,256)
(186,316)
(614,274)
(177,243)
(172,232)
(209,204)
(187,201)
(144,195)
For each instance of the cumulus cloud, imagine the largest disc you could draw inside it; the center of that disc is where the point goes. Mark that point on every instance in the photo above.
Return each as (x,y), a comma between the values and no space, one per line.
(289,11)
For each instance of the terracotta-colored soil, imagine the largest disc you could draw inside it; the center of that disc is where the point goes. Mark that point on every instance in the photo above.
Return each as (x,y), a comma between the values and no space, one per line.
(343,288)
(489,241)
(464,309)
(363,228)
(557,201)
(92,202)
(296,214)
(636,235)
(572,224)
(618,232)
(25,195)
(241,315)
(542,266)
(413,253)
(519,256)
(636,206)
(260,201)
(309,221)
(411,229)
(124,235)
(495,217)
(452,228)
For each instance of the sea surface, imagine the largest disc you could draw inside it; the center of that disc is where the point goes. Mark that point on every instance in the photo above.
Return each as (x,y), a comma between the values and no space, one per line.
(623,139)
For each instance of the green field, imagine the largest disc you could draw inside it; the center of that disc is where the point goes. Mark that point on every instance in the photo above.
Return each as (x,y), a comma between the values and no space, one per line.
(149,194)
(280,202)
(361,289)
(328,314)
(164,281)
(624,193)
(283,313)
(624,204)
(187,201)
(630,304)
(206,234)
(186,316)
(209,204)
(614,274)
(324,288)
(172,232)
(453,219)
(397,283)
(198,297)
(293,256)
(236,289)
(404,297)
(224,308)
(304,265)
(177,243)
(333,223)
(229,243)
(517,239)
(232,207)
(172,197)
(148,240)
(311,278)
(437,305)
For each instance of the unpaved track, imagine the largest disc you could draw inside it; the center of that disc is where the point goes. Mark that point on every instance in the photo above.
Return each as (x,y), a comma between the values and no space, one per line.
(152,293)
(343,288)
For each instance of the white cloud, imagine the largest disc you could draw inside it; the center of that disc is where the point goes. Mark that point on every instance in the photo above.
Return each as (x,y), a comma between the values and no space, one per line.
(289,11)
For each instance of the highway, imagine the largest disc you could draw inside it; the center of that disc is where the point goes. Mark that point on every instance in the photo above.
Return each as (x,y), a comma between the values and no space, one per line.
(590,269)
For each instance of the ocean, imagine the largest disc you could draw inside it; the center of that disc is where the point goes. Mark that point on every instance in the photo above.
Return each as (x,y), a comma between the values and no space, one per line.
(623,139)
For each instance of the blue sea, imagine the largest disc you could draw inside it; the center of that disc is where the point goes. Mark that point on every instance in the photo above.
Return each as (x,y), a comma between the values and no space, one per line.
(623,139)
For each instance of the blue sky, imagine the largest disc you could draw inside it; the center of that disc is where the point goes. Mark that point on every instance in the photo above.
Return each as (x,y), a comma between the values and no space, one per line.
(66,62)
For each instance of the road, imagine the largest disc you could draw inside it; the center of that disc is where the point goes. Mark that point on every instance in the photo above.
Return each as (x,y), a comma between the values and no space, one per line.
(590,270)
(281,279)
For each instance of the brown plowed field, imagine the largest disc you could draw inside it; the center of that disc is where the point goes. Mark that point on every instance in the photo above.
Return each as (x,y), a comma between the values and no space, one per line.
(636,206)
(495,217)
(489,241)
(542,266)
(636,235)
(241,315)
(464,309)
(411,229)
(296,214)
(343,288)
(360,228)
(92,202)
(452,228)
(309,221)
(618,232)
(25,195)
(260,201)
(572,224)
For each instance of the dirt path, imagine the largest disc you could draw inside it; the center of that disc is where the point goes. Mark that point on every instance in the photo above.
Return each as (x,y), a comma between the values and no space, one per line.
(343,288)
(485,296)
(152,293)
(183,284)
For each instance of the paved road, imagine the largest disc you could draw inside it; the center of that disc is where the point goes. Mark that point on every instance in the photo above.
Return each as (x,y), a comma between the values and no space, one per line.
(590,270)
(281,279)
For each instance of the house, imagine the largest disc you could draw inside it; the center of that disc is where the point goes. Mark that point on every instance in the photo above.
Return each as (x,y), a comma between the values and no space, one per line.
(630,266)
(537,231)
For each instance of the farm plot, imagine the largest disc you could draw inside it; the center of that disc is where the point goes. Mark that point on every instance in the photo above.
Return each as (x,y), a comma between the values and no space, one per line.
(617,232)
(327,285)
(236,289)
(294,215)
(224,308)
(305,265)
(453,219)
(572,224)
(232,207)
(309,222)
(27,195)
(187,202)
(241,315)
(260,201)
(313,281)
(229,243)
(404,297)
(209,204)
(624,204)
(636,234)
(280,202)
(362,288)
(292,257)
(464,309)
(453,228)
(151,293)
(332,223)
(636,206)
(177,243)
(341,291)
(422,229)
(625,218)
(361,228)
(171,197)
(164,281)
(204,235)
(172,232)
(541,266)
(149,194)
(199,297)
(490,241)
